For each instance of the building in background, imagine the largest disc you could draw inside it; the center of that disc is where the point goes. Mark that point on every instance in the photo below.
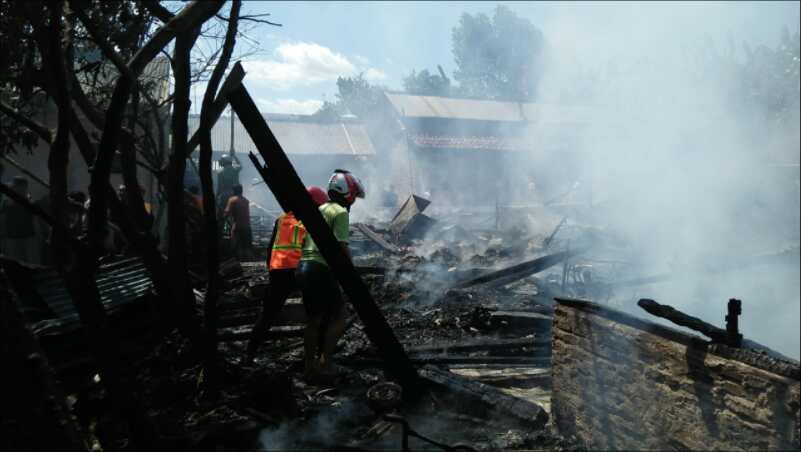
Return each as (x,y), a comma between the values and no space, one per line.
(315,149)
(472,153)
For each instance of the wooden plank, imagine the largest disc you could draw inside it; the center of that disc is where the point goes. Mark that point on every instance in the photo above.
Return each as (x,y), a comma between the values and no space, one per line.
(520,408)
(285,183)
(519,271)
(377,239)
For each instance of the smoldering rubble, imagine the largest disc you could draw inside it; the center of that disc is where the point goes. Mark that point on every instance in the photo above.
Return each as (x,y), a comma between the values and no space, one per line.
(473,309)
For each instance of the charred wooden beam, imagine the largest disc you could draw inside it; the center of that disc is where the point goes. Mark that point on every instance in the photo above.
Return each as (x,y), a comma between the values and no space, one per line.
(493,397)
(286,184)
(547,242)
(733,336)
(679,318)
(519,271)
(508,361)
(481,344)
(377,239)
(730,336)
(521,320)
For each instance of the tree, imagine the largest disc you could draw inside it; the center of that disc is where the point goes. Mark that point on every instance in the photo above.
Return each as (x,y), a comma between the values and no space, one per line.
(497,58)
(52,63)
(425,83)
(354,95)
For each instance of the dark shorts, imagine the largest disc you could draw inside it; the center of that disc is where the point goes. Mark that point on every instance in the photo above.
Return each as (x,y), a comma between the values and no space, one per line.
(321,294)
(282,284)
(242,238)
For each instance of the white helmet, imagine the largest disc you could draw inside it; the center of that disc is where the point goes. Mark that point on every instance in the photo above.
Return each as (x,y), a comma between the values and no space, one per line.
(346,185)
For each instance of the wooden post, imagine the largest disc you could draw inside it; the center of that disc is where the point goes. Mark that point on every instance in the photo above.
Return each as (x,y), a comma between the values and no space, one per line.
(285,183)
(733,336)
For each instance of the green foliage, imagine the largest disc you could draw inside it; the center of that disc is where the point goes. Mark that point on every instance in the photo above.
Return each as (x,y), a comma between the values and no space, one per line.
(24,74)
(354,95)
(425,83)
(771,79)
(497,58)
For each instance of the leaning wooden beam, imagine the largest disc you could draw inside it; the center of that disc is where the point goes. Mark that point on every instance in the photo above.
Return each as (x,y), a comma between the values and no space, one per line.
(285,182)
(519,271)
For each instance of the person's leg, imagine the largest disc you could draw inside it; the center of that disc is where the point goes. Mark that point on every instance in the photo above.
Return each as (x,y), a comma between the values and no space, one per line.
(308,278)
(311,337)
(282,283)
(334,323)
(334,329)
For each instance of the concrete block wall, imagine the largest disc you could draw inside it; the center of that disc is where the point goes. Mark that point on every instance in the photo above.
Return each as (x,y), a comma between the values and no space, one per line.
(620,382)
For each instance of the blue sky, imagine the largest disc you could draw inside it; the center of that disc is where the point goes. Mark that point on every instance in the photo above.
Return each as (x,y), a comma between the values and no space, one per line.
(298,63)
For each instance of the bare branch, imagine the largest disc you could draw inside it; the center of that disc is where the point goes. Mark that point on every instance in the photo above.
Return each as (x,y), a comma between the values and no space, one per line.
(27,204)
(251,18)
(14,114)
(155,8)
(105,47)
(25,171)
(189,18)
(206,183)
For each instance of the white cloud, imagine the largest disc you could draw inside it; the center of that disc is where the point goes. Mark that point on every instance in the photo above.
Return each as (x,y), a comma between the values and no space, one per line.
(305,64)
(289,106)
(374,75)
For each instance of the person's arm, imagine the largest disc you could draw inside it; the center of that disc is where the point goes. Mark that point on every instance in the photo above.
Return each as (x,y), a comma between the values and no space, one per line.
(341,228)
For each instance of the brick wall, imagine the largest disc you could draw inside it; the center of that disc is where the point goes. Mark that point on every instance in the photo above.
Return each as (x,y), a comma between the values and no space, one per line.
(624,383)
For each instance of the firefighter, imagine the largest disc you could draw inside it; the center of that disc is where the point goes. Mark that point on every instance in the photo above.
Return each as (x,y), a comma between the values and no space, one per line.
(283,257)
(322,298)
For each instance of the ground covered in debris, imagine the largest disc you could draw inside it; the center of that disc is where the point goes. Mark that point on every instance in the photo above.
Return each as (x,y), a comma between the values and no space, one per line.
(498,338)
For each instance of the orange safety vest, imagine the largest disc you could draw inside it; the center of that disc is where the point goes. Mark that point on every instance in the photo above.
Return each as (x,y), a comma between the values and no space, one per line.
(288,244)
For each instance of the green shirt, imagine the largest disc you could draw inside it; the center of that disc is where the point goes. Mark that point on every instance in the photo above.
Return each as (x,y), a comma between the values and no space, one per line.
(337,218)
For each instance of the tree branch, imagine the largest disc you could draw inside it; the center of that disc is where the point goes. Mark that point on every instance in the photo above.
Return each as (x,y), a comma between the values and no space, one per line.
(209,209)
(155,8)
(107,50)
(14,114)
(189,18)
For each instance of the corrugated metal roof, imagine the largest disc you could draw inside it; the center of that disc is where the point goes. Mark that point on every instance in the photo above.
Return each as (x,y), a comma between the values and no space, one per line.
(485,143)
(296,137)
(119,282)
(486,110)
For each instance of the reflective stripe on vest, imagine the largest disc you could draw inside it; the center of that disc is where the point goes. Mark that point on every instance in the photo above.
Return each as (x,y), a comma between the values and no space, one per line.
(288,244)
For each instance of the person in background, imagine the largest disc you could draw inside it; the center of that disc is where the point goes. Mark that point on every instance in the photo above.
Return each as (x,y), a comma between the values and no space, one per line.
(322,298)
(19,224)
(76,212)
(122,192)
(198,198)
(238,210)
(283,256)
(227,177)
